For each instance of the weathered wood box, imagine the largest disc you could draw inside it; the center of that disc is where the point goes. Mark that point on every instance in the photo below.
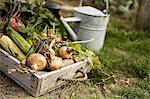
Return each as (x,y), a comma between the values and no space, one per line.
(41,82)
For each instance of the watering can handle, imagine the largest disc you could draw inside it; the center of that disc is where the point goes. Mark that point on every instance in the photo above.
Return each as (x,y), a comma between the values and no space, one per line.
(81,2)
(107,6)
(72,19)
(106,9)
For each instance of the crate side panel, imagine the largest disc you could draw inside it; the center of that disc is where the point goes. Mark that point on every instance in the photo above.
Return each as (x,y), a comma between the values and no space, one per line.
(26,80)
(51,81)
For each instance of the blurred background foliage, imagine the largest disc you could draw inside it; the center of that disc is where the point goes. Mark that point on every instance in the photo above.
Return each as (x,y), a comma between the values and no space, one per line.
(137,10)
(117,6)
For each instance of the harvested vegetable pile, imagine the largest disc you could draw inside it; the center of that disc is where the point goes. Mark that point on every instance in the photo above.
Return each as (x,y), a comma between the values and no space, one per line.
(34,36)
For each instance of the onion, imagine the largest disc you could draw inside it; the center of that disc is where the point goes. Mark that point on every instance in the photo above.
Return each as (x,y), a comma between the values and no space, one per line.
(44,36)
(63,52)
(44,49)
(56,63)
(67,62)
(36,61)
(52,51)
(59,40)
(76,58)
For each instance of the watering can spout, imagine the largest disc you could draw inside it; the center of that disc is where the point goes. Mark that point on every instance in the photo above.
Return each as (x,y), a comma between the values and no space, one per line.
(69,29)
(55,8)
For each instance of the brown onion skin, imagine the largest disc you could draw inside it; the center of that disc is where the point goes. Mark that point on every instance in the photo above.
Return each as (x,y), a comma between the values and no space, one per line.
(36,59)
(67,62)
(59,40)
(56,63)
(63,52)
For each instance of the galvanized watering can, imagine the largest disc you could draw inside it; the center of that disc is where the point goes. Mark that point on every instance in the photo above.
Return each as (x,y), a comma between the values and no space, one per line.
(90,25)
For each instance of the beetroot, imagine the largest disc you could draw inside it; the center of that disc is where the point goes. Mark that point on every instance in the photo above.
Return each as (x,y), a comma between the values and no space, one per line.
(16,23)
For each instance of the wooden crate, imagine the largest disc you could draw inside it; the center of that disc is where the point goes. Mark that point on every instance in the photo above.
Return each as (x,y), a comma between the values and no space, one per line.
(41,82)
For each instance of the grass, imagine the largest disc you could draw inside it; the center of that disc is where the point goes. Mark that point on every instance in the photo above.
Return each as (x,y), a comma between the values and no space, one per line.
(126,49)
(140,90)
(127,52)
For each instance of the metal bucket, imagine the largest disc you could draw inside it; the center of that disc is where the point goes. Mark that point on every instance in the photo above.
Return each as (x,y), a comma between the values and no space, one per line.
(92,27)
